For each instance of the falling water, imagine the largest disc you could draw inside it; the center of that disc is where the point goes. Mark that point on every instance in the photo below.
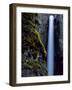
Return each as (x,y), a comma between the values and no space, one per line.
(50,54)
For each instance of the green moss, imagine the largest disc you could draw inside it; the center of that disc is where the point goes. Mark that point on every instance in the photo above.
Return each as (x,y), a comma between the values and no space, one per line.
(32,37)
(31,64)
(35,66)
(38,36)
(36,39)
(26,66)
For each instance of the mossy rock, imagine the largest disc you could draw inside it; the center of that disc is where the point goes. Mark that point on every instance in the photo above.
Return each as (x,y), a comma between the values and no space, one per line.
(35,67)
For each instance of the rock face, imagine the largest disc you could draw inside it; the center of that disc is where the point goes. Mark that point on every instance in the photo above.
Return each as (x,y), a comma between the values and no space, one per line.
(33,49)
(43,28)
(58,39)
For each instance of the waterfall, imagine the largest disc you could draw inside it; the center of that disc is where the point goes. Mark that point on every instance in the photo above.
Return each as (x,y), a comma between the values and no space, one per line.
(50,48)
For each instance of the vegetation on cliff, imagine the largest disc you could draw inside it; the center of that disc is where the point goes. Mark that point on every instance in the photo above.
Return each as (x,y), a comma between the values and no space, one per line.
(33,49)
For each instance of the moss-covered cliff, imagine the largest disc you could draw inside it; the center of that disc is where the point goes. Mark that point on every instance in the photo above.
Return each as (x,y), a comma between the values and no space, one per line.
(33,49)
